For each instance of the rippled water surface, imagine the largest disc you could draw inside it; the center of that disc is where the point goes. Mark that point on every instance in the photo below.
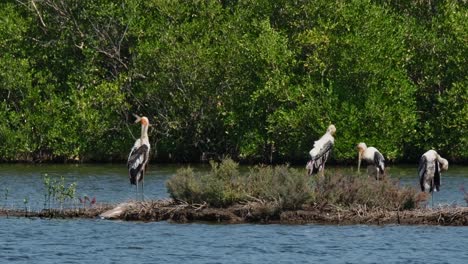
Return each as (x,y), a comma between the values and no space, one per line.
(24,240)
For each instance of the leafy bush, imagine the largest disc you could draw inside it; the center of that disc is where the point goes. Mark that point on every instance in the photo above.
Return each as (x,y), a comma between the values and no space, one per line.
(185,186)
(289,187)
(222,186)
(225,185)
(283,187)
(350,191)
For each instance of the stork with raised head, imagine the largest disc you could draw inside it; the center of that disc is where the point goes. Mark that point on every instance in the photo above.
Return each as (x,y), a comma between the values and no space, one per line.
(320,152)
(374,159)
(430,166)
(139,155)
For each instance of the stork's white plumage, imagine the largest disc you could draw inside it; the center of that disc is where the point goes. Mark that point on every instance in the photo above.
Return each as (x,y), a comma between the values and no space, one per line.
(374,159)
(430,166)
(320,152)
(139,155)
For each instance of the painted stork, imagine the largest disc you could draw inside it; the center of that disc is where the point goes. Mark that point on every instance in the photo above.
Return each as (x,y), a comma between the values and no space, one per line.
(430,166)
(320,152)
(139,155)
(374,159)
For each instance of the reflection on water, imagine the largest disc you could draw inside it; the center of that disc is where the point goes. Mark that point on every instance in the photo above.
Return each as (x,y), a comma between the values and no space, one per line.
(25,240)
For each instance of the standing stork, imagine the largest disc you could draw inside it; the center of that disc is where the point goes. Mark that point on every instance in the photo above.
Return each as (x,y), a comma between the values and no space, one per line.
(374,159)
(430,166)
(139,155)
(320,152)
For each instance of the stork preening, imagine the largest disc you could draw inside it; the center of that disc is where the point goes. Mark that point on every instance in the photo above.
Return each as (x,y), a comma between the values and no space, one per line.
(320,152)
(139,155)
(430,166)
(374,159)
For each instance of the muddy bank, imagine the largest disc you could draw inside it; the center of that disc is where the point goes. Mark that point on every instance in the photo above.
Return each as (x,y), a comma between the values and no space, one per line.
(88,212)
(254,212)
(438,216)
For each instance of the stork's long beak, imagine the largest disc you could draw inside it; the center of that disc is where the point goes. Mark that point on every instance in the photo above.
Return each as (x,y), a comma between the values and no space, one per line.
(138,118)
(359,162)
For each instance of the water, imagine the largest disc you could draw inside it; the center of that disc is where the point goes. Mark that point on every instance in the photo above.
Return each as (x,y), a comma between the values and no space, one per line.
(99,241)
(24,240)
(108,183)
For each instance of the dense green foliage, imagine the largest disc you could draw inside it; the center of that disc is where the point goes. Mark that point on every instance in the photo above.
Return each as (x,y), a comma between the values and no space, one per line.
(282,187)
(257,80)
(224,185)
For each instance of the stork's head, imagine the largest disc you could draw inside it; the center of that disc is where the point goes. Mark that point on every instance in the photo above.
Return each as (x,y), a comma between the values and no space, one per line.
(443,163)
(361,147)
(331,129)
(144,120)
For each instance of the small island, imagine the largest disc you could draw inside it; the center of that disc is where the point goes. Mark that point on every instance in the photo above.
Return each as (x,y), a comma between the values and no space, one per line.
(272,195)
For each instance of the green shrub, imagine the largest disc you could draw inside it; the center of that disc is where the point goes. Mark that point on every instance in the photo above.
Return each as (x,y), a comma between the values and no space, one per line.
(185,186)
(289,187)
(283,187)
(222,186)
(349,191)
(225,185)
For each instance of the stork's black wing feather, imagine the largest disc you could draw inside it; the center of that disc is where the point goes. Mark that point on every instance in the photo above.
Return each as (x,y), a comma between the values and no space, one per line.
(379,161)
(316,165)
(324,152)
(136,161)
(317,162)
(422,171)
(437,176)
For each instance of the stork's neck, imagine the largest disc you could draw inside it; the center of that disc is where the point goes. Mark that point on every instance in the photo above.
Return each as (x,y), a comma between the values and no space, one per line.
(368,153)
(443,162)
(144,133)
(327,135)
(363,150)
